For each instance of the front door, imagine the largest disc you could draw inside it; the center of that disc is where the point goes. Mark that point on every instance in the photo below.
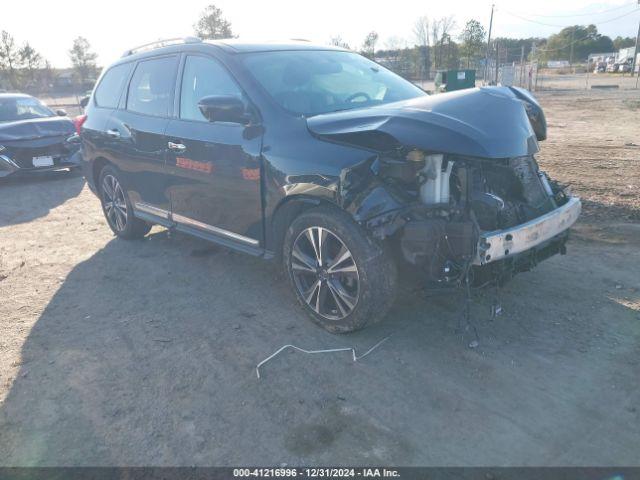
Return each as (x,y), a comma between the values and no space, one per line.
(214,166)
(138,134)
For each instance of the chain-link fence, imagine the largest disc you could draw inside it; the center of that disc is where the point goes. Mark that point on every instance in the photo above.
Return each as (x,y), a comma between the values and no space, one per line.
(534,78)
(549,79)
(524,75)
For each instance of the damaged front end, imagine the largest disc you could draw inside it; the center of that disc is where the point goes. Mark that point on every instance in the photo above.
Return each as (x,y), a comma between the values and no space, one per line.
(465,212)
(491,218)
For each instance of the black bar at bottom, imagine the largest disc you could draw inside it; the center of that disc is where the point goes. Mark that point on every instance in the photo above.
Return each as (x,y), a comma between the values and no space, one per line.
(307,473)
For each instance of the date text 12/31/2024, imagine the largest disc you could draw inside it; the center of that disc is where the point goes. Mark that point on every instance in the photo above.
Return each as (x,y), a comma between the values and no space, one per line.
(305,473)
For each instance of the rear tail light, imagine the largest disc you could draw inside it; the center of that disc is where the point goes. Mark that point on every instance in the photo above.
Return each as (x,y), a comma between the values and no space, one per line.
(78,122)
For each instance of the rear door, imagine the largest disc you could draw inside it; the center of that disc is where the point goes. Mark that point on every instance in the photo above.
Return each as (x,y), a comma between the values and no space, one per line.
(137,134)
(105,99)
(215,171)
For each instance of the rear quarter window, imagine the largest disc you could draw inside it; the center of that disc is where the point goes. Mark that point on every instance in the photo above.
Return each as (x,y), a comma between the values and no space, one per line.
(111,86)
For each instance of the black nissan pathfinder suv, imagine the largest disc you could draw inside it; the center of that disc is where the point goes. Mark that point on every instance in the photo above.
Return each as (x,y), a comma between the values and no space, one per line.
(326,161)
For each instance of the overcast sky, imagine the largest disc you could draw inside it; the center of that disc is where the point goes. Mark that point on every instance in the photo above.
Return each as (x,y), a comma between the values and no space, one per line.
(114,25)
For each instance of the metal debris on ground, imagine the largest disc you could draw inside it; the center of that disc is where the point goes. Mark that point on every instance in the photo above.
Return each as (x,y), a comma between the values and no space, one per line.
(465,321)
(466,315)
(496,306)
(330,350)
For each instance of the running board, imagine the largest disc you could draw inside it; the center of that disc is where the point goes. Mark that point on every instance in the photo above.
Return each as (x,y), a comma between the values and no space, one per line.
(201,230)
(224,241)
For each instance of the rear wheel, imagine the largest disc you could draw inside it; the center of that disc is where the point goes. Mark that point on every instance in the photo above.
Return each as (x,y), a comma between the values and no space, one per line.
(117,207)
(342,278)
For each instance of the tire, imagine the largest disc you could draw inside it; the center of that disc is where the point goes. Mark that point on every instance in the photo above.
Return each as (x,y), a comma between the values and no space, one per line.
(117,208)
(348,294)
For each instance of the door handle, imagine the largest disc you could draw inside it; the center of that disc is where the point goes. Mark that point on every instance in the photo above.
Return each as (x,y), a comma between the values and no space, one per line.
(177,147)
(113,133)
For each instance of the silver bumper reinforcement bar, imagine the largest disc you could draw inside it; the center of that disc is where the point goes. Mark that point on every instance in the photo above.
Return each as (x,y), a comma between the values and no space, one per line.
(500,244)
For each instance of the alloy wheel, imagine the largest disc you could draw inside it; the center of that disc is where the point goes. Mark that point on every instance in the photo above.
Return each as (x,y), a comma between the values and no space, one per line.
(115,205)
(325,273)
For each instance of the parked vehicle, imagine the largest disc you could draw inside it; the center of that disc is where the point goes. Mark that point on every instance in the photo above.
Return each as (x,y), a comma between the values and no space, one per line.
(34,138)
(330,163)
(601,67)
(625,67)
(612,67)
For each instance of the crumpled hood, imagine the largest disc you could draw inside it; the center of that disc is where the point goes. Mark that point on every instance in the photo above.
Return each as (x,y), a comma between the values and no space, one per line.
(35,128)
(489,122)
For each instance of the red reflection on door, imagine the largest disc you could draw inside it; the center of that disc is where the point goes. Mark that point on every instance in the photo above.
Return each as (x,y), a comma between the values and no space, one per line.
(205,167)
(251,173)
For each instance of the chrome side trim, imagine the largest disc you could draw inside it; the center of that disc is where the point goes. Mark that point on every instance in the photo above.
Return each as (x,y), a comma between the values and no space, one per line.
(503,243)
(145,207)
(215,230)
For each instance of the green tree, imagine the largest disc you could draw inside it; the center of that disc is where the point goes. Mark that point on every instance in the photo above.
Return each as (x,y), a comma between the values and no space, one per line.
(212,24)
(9,59)
(623,42)
(30,61)
(511,48)
(83,61)
(369,45)
(471,41)
(577,41)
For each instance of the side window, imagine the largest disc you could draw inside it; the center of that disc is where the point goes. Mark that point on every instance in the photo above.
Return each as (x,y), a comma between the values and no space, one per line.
(203,77)
(151,86)
(108,92)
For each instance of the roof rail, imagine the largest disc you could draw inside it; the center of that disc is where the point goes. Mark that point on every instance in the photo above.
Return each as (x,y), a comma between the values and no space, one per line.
(161,43)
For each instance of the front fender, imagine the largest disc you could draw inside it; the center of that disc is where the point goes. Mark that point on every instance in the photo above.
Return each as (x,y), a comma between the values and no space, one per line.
(534,112)
(357,191)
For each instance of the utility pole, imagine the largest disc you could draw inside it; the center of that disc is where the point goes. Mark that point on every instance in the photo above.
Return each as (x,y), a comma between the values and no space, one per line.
(486,60)
(534,61)
(571,54)
(497,60)
(522,67)
(635,53)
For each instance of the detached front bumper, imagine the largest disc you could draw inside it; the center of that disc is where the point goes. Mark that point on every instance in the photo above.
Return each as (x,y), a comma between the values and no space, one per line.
(501,244)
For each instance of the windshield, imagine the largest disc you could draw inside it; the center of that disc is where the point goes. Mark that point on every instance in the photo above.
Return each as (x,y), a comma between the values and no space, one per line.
(314,82)
(22,108)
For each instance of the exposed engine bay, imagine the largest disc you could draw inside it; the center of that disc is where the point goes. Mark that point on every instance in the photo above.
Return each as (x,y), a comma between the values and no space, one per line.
(454,200)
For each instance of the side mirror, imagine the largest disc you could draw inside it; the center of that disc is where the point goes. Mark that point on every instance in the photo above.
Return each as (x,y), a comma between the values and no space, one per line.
(61,112)
(84,101)
(223,108)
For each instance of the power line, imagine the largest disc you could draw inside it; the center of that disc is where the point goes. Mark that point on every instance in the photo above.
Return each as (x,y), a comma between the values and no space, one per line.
(563,47)
(578,14)
(568,26)
(565,26)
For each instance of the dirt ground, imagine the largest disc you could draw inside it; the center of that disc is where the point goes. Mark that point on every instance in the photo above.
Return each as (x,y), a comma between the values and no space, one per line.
(144,353)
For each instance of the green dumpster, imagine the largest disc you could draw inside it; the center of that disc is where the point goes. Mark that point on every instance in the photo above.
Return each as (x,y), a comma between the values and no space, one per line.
(450,80)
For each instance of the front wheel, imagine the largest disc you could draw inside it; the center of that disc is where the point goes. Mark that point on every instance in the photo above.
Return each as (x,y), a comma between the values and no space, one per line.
(342,278)
(117,207)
